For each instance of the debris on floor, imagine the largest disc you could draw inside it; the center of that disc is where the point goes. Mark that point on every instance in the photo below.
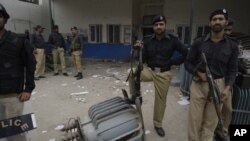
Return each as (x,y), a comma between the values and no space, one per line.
(183,100)
(59,127)
(80,93)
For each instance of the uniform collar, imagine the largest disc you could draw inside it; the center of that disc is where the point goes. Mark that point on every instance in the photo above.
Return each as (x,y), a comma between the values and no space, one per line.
(208,37)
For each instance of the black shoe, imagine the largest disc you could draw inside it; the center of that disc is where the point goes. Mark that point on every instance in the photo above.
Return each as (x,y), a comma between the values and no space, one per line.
(36,78)
(56,74)
(160,131)
(42,76)
(219,137)
(65,74)
(79,76)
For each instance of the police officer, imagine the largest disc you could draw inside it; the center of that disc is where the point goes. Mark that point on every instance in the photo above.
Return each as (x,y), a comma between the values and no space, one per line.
(57,41)
(157,52)
(221,53)
(17,66)
(227,104)
(229,27)
(38,43)
(76,52)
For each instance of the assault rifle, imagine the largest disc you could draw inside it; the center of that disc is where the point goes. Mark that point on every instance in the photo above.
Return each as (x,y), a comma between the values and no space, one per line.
(215,95)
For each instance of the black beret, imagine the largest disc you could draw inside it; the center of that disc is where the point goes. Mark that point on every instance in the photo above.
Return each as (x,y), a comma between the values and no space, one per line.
(4,12)
(158,18)
(221,11)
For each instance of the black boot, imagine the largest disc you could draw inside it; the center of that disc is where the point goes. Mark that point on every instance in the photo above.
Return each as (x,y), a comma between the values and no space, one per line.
(160,131)
(79,76)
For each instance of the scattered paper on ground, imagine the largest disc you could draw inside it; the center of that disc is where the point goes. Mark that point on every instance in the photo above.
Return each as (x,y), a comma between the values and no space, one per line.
(59,127)
(80,93)
(183,100)
(95,76)
(147,132)
(64,84)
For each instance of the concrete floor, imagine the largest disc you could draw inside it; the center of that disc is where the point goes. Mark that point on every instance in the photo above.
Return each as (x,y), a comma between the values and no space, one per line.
(53,105)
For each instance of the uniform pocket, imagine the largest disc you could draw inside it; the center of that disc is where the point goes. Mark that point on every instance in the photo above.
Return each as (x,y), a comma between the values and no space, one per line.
(224,56)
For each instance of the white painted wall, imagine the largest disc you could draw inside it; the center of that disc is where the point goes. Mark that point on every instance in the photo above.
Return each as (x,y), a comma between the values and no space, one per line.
(81,13)
(25,16)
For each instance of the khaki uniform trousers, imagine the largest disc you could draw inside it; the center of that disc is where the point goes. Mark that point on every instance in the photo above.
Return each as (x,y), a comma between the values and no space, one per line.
(161,83)
(202,114)
(40,62)
(11,106)
(58,52)
(226,114)
(227,111)
(77,59)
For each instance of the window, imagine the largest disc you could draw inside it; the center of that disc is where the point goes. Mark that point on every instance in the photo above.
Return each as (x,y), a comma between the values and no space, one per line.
(202,30)
(147,19)
(113,33)
(31,1)
(183,33)
(95,33)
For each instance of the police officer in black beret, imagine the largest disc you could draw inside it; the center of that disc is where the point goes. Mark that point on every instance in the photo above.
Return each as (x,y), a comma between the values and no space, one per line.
(17,66)
(157,55)
(57,42)
(221,53)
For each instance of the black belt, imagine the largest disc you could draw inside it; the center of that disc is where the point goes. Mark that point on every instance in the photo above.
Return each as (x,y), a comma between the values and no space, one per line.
(157,69)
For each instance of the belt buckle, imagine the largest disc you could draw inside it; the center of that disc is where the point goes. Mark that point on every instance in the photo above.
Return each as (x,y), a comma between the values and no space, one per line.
(157,70)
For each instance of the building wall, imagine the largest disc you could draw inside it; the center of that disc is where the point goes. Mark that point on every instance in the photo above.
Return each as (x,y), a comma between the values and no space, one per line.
(177,12)
(25,16)
(81,13)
